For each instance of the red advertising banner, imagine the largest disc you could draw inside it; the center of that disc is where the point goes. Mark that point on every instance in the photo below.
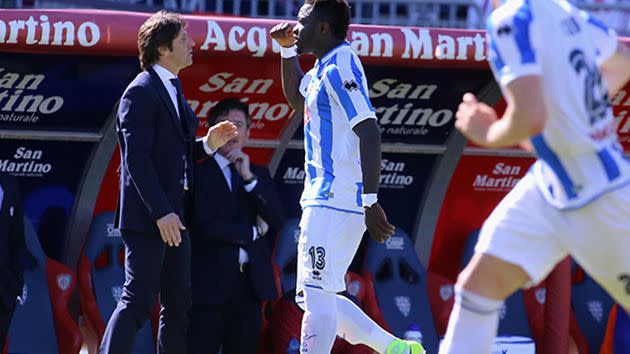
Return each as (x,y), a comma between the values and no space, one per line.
(100,32)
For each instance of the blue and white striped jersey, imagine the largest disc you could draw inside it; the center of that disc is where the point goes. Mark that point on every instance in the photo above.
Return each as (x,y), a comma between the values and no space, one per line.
(579,157)
(335,100)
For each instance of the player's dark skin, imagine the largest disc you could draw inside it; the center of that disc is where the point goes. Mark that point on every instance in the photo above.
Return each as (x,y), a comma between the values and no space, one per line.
(314,35)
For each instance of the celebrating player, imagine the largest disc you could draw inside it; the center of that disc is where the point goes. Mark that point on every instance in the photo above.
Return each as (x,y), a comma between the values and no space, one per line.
(343,156)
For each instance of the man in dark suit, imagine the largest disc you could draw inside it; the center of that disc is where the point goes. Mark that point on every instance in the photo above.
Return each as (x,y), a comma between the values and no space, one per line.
(12,250)
(231,254)
(156,132)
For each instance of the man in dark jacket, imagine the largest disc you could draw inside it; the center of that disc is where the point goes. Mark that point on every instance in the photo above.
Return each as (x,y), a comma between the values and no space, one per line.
(156,132)
(12,250)
(235,206)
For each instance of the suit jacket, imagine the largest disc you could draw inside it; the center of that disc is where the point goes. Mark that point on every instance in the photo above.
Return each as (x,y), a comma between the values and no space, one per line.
(222,222)
(12,244)
(154,149)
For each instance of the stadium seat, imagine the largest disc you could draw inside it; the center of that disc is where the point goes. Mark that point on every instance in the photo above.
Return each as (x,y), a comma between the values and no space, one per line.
(41,323)
(622,332)
(285,256)
(101,276)
(396,288)
(513,316)
(591,305)
(617,339)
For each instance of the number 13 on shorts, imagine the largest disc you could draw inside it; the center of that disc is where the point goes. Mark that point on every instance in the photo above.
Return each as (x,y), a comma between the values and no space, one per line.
(318,257)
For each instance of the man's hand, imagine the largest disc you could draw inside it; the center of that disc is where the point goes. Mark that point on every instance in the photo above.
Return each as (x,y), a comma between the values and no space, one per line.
(283,34)
(169,226)
(264,227)
(241,163)
(376,222)
(221,133)
(474,118)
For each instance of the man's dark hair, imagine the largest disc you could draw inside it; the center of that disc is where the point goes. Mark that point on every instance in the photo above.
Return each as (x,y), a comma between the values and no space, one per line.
(224,107)
(335,12)
(159,30)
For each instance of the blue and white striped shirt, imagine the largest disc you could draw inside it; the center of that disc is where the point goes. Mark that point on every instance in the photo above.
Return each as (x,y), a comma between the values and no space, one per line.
(336,99)
(579,157)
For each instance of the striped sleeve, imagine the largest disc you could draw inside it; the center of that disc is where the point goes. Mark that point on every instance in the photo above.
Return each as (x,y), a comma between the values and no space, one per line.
(511,51)
(347,85)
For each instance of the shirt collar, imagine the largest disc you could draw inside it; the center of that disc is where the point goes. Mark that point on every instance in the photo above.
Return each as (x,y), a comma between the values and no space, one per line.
(164,75)
(221,161)
(332,52)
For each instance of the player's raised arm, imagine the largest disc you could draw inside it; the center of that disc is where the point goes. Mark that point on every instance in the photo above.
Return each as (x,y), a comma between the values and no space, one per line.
(292,73)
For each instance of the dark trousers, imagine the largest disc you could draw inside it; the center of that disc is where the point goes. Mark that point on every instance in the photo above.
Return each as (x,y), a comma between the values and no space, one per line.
(5,322)
(151,267)
(234,326)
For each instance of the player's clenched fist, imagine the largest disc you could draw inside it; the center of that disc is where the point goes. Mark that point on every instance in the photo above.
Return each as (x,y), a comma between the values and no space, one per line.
(283,34)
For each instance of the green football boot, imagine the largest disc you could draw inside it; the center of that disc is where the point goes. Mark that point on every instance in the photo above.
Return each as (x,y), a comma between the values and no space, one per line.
(400,346)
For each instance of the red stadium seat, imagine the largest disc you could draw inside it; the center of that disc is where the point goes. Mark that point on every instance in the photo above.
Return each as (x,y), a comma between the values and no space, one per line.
(101,276)
(41,323)
(442,298)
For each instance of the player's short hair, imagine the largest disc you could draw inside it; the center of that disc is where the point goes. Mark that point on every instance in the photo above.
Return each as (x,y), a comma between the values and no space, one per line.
(225,106)
(335,12)
(158,30)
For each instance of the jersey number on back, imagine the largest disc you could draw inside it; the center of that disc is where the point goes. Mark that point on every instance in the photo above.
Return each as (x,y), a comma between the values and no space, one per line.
(595,94)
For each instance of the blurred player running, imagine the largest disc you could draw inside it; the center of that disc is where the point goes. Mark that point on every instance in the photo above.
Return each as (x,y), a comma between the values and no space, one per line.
(556,66)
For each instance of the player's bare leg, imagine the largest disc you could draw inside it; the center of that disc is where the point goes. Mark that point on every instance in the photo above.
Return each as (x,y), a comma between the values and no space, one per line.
(480,291)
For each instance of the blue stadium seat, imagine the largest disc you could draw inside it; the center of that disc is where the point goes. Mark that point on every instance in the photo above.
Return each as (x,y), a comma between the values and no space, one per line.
(513,315)
(102,274)
(397,288)
(41,323)
(591,305)
(285,255)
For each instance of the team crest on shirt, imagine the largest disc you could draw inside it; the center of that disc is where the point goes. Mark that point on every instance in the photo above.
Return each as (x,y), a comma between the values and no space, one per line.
(404,304)
(350,85)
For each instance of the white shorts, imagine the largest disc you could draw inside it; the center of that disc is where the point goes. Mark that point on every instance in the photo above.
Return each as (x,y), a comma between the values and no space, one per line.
(526,231)
(329,239)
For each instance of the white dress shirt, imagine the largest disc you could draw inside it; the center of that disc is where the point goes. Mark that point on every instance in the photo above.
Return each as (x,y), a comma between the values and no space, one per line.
(166,77)
(224,164)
